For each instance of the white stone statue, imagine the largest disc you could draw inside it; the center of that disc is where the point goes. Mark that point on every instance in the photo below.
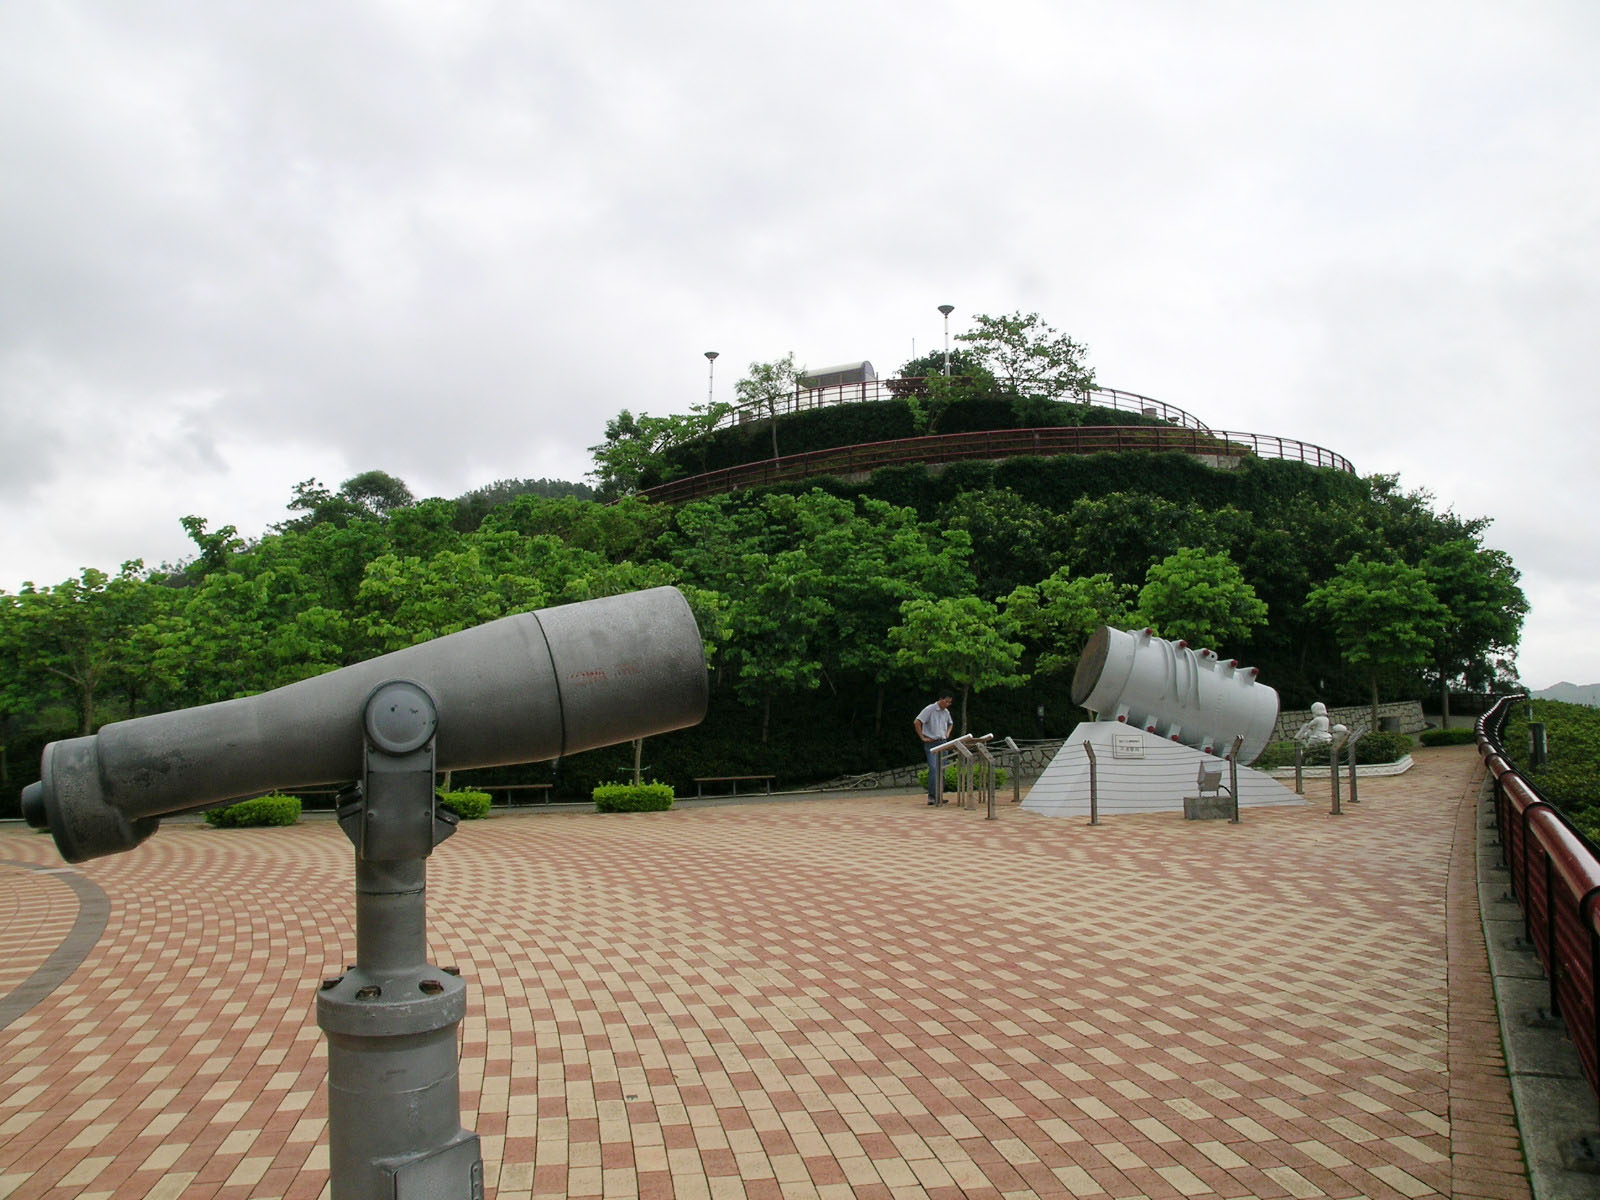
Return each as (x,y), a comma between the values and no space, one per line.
(1316,731)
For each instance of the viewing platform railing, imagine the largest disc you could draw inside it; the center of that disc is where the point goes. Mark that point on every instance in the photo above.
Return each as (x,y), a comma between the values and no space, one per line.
(1555,877)
(806,399)
(862,459)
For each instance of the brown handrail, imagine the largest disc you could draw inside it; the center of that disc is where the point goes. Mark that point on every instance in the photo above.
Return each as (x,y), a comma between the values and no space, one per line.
(1555,878)
(1048,441)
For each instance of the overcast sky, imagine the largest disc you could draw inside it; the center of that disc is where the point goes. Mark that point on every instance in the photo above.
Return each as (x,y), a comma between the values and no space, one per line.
(243,245)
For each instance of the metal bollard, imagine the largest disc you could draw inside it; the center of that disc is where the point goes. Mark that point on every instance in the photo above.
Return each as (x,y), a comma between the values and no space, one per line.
(1233,777)
(1094,791)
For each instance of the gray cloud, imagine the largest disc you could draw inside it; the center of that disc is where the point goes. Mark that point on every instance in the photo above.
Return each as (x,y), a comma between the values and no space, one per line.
(244,245)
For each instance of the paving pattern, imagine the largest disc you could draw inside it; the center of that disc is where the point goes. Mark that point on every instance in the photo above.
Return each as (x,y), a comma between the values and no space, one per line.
(842,997)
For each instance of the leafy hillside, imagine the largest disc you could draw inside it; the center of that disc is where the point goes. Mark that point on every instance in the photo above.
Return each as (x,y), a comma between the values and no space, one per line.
(1571,778)
(830,610)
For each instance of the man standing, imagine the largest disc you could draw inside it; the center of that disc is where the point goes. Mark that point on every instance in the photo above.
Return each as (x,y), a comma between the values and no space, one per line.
(933,727)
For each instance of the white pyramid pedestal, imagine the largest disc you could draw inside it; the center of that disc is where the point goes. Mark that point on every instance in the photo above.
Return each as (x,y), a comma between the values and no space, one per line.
(1136,772)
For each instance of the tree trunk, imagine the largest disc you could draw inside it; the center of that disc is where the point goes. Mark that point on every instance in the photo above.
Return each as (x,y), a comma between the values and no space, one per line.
(766,716)
(964,689)
(1374,727)
(638,752)
(1444,701)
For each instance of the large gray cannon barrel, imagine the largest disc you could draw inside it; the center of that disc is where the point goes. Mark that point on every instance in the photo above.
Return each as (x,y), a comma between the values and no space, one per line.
(524,688)
(1165,688)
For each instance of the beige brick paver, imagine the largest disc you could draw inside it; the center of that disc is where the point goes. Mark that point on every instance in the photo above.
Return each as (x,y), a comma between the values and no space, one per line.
(837,997)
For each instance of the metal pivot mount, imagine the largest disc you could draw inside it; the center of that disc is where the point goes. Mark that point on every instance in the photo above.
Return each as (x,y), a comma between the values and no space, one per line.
(394,1094)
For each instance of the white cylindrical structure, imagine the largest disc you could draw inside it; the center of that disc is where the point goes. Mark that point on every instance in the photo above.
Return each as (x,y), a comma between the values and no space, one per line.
(1165,688)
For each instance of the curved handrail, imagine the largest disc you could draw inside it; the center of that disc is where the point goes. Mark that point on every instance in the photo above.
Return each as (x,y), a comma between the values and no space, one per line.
(1555,877)
(1048,441)
(805,399)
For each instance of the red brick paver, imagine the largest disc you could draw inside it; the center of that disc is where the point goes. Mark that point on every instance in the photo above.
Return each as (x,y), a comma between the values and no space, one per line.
(829,998)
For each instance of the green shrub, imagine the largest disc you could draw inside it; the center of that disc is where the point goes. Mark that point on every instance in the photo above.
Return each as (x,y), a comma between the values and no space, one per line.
(1448,737)
(1001,778)
(629,797)
(1383,747)
(1374,748)
(263,810)
(1571,778)
(1279,754)
(468,805)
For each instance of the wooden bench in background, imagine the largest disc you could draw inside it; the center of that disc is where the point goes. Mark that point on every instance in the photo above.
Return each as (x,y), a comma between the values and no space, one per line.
(701,780)
(509,789)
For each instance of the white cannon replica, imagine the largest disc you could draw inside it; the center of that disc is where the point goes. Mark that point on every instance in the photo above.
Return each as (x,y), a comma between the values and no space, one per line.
(1167,719)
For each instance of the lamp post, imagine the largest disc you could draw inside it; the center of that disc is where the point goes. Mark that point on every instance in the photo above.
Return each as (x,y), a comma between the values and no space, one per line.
(947,309)
(711,374)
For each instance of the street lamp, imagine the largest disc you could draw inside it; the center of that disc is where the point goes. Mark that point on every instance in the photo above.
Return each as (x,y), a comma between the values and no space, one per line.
(711,373)
(947,309)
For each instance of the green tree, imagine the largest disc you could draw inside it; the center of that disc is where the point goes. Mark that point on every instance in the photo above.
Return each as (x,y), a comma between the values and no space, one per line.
(215,548)
(424,528)
(635,454)
(1025,353)
(1124,534)
(1062,612)
(961,639)
(1015,541)
(1384,615)
(962,362)
(768,387)
(82,639)
(1485,609)
(864,560)
(1200,598)
(378,492)
(246,630)
(624,529)
(632,455)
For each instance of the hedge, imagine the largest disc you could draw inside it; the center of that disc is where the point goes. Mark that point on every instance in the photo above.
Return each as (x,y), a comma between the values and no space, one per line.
(1448,737)
(263,810)
(468,805)
(1374,748)
(630,797)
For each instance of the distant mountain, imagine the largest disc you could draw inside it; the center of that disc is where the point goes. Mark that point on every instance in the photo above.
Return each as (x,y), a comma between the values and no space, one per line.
(1571,693)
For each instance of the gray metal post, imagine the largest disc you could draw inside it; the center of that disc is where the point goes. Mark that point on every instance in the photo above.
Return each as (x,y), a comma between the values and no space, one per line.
(1333,769)
(1012,754)
(987,765)
(394,1094)
(1094,789)
(1351,746)
(1233,777)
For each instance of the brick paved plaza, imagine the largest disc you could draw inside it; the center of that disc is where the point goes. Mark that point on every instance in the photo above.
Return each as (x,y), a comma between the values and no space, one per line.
(820,997)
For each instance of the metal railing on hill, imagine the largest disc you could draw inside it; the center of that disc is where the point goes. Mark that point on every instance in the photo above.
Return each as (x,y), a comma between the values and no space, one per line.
(862,459)
(805,399)
(1555,877)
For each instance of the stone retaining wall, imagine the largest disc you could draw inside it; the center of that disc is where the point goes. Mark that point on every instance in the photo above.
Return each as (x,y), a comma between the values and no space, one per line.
(1036,756)
(1356,717)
